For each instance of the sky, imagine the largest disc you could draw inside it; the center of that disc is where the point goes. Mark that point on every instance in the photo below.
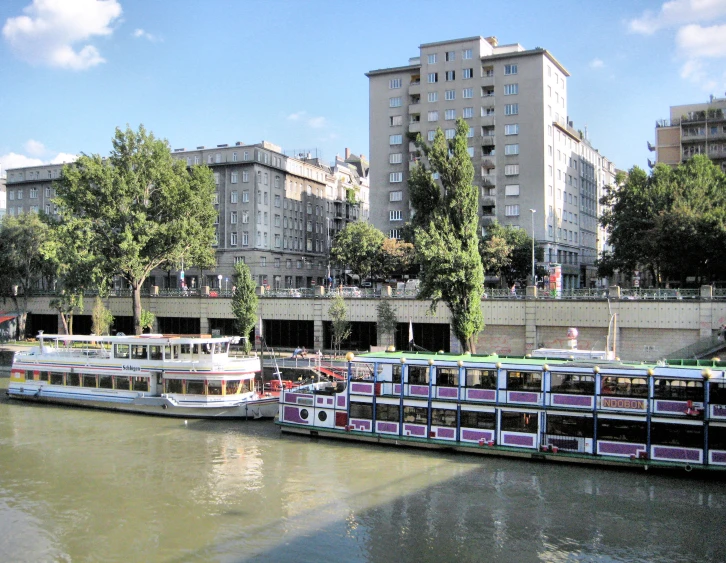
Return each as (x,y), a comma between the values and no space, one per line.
(209,72)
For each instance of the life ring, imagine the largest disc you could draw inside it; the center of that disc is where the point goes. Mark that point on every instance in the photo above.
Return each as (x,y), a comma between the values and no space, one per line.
(688,468)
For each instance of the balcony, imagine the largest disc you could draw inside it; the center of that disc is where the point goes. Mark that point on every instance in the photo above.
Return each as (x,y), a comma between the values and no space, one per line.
(488,121)
(488,201)
(414,89)
(414,127)
(487,140)
(488,180)
(488,164)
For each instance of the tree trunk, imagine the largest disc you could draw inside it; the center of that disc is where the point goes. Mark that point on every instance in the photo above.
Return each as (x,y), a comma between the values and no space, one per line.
(136,292)
(64,320)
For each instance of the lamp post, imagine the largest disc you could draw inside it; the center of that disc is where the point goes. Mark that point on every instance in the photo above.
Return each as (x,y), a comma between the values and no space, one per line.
(225,284)
(534,279)
(219,279)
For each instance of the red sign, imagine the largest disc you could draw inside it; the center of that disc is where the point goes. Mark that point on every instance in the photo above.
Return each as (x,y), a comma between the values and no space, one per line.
(621,403)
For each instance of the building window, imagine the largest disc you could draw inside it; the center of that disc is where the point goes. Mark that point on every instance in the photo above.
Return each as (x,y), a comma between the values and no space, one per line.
(511,109)
(487,111)
(450,114)
(47,191)
(433,96)
(394,215)
(395,158)
(511,190)
(450,56)
(394,233)
(512,129)
(431,135)
(233,217)
(470,151)
(233,180)
(467,73)
(277,245)
(450,95)
(215,198)
(511,89)
(433,77)
(394,102)
(395,120)
(216,178)
(511,169)
(394,83)
(233,239)
(33,193)
(395,177)
(450,133)
(245,217)
(510,69)
(511,149)
(468,92)
(395,196)
(466,54)
(433,116)
(450,75)
(245,196)
(395,139)
(511,210)
(432,58)
(467,113)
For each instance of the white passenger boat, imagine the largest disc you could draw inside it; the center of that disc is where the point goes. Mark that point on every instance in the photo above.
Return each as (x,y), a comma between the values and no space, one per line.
(667,415)
(188,377)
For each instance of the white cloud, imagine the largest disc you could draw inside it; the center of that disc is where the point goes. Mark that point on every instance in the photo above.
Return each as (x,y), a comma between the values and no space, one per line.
(14,160)
(312,122)
(63,157)
(141,34)
(596,63)
(36,148)
(50,30)
(696,41)
(677,12)
(316,122)
(296,116)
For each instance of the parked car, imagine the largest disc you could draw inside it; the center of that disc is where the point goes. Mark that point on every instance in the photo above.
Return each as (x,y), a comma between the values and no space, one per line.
(350,291)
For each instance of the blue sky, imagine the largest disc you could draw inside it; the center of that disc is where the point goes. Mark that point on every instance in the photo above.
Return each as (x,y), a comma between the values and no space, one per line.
(208,72)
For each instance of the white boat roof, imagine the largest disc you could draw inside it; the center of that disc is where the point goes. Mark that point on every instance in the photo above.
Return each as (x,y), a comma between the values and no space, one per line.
(159,339)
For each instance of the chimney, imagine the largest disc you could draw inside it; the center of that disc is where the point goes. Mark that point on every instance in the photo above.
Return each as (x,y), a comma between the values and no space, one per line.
(492,41)
(347,153)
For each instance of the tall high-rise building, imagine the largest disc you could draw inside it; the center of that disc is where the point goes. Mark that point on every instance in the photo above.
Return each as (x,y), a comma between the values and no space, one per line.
(530,164)
(692,129)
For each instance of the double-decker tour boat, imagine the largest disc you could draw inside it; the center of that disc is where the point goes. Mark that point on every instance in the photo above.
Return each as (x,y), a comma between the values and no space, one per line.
(188,377)
(580,408)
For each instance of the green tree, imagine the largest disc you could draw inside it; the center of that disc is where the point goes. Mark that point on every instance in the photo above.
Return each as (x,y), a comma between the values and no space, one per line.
(358,246)
(22,262)
(387,322)
(340,325)
(141,207)
(507,252)
(147,319)
(101,317)
(395,256)
(244,303)
(447,244)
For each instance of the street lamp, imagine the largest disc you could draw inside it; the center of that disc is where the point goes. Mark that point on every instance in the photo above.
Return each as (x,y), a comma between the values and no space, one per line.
(225,284)
(534,279)
(219,279)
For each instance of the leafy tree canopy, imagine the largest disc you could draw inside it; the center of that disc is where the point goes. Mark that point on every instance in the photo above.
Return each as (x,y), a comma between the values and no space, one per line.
(244,303)
(507,252)
(358,246)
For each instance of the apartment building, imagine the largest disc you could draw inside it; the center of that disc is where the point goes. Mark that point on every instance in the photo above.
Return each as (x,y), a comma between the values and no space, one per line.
(526,154)
(276,213)
(692,129)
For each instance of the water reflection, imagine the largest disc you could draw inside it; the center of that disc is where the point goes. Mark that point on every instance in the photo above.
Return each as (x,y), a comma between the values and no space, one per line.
(95,486)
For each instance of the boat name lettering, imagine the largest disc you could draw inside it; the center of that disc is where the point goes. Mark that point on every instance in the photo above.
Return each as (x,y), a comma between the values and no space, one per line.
(130,368)
(612,403)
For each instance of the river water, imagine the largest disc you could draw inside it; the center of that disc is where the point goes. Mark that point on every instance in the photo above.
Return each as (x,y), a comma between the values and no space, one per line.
(84,485)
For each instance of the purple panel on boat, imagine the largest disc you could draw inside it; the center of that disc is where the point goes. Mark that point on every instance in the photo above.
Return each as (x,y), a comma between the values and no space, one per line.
(520,397)
(619,448)
(481,394)
(293,397)
(670,406)
(719,411)
(476,435)
(340,401)
(446,433)
(361,388)
(324,401)
(718,457)
(420,390)
(678,454)
(292,414)
(397,388)
(518,440)
(414,430)
(572,400)
(389,427)
(448,392)
(359,424)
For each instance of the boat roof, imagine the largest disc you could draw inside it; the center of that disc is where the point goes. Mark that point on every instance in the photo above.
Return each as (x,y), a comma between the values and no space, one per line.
(159,339)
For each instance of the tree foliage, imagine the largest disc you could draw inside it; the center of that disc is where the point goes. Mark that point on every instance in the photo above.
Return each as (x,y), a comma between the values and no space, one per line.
(340,325)
(395,256)
(671,222)
(387,322)
(507,252)
(101,317)
(447,240)
(140,207)
(147,319)
(358,246)
(244,303)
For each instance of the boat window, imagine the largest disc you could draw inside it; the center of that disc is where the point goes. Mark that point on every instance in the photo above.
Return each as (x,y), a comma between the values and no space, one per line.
(195,387)
(396,373)
(418,375)
(121,351)
(678,389)
(447,377)
(481,378)
(89,381)
(717,393)
(139,352)
(361,410)
(624,386)
(56,378)
(44,375)
(520,422)
(232,387)
(388,413)
(155,352)
(122,382)
(29,375)
(471,419)
(443,417)
(207,348)
(140,383)
(717,438)
(572,383)
(105,382)
(185,349)
(683,435)
(173,386)
(219,348)
(169,352)
(416,415)
(524,380)
(214,387)
(73,379)
(616,430)
(364,371)
(577,426)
